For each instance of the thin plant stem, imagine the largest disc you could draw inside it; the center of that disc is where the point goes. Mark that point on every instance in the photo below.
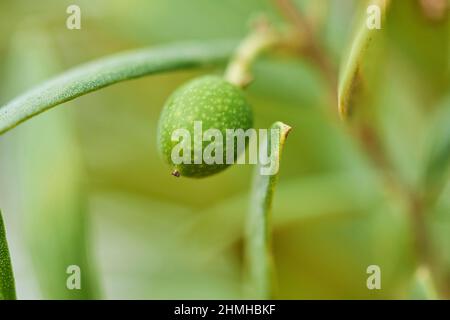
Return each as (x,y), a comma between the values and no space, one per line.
(260,39)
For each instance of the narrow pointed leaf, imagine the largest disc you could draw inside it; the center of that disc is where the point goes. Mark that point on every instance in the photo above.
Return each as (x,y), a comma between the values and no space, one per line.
(7,286)
(107,71)
(350,76)
(258,237)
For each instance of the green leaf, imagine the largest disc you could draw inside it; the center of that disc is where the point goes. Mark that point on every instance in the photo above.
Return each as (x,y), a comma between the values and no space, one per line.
(351,74)
(104,72)
(258,237)
(7,286)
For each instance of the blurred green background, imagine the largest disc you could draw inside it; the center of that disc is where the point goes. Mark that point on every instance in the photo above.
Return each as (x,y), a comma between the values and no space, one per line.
(83,184)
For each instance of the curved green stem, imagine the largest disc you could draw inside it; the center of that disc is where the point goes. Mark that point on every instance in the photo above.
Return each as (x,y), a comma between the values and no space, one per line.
(107,71)
(262,38)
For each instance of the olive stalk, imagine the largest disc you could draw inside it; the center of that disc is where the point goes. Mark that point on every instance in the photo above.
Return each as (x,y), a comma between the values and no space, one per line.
(262,38)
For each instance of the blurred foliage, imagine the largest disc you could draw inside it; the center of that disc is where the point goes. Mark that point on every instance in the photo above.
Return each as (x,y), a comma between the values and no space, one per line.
(153,236)
(49,177)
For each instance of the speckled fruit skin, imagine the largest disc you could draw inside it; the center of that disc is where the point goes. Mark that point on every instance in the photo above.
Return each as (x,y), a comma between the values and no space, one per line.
(212,100)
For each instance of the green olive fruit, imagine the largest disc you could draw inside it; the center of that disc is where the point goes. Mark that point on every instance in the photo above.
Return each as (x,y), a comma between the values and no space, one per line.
(215,102)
